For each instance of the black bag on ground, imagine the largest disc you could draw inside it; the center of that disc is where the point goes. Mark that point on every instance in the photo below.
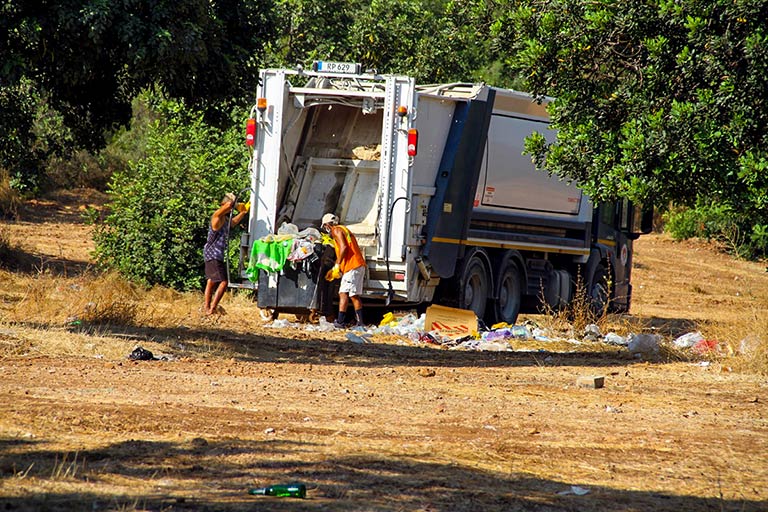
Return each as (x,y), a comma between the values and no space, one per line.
(141,354)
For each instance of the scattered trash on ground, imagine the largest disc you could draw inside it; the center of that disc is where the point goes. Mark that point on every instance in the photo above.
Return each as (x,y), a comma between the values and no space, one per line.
(643,343)
(281,491)
(450,322)
(697,343)
(141,354)
(322,326)
(688,340)
(356,338)
(282,323)
(749,344)
(458,329)
(614,339)
(576,490)
(592,333)
(705,347)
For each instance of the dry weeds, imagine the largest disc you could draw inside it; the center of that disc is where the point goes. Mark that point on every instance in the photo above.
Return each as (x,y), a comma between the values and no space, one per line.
(9,198)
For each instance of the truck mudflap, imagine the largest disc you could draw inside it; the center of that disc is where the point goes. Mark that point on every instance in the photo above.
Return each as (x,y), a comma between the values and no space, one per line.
(450,209)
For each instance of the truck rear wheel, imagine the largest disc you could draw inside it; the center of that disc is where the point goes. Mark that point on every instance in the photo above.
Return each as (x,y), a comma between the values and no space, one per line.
(600,290)
(475,285)
(509,293)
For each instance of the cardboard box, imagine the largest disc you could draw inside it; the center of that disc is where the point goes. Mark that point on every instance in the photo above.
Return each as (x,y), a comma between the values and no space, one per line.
(451,322)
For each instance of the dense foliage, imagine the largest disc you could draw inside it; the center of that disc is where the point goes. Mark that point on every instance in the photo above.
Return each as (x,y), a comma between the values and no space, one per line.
(661,101)
(160,207)
(658,101)
(88,59)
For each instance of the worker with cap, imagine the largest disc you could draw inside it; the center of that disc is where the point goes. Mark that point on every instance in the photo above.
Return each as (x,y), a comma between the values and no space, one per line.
(350,266)
(215,250)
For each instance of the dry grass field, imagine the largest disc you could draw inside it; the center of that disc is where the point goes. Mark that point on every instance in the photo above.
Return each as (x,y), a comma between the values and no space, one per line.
(387,426)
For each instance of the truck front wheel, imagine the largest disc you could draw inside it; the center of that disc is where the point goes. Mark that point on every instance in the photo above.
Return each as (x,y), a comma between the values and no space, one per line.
(475,286)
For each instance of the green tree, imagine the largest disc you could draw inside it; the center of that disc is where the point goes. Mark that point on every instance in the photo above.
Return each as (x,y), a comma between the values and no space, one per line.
(658,101)
(310,30)
(432,40)
(90,58)
(157,225)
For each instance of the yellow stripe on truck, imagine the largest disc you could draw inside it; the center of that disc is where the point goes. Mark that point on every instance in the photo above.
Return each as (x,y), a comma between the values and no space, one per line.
(510,245)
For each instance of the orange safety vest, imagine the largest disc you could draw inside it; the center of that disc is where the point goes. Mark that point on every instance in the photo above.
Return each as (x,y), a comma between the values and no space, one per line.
(354,257)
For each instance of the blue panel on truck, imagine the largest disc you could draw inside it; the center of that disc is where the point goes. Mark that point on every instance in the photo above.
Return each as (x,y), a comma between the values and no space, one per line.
(451,207)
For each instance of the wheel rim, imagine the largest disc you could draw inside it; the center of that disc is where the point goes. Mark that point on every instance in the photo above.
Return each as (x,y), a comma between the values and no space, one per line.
(476,288)
(509,297)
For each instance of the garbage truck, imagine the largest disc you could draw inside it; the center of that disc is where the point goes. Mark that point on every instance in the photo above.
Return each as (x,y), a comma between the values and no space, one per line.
(434,183)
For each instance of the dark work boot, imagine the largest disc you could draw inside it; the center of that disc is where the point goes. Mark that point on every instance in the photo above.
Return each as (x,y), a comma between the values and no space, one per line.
(359,317)
(340,322)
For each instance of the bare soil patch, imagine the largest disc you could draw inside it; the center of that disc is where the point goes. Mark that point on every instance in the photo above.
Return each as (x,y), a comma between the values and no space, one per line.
(386,426)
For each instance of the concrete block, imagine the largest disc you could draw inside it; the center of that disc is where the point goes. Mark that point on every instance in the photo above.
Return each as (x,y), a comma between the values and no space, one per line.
(591,381)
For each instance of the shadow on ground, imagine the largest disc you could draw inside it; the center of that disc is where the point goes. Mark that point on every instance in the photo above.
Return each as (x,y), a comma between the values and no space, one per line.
(222,472)
(184,341)
(17,260)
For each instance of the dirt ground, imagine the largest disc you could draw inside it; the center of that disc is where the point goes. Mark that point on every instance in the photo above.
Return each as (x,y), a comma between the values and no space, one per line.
(386,426)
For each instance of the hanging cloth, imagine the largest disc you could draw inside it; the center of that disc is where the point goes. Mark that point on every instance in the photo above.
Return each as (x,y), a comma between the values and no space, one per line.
(269,256)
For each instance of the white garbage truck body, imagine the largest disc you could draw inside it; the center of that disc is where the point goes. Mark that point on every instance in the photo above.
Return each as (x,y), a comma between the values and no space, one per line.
(433,182)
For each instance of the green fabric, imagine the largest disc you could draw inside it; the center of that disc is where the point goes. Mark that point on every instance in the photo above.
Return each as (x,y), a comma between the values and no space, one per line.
(269,256)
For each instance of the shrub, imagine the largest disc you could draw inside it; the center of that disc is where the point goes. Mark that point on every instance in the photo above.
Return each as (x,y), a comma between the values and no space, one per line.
(742,235)
(157,224)
(21,152)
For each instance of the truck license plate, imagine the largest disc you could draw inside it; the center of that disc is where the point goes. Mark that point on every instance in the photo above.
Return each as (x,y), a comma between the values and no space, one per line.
(346,68)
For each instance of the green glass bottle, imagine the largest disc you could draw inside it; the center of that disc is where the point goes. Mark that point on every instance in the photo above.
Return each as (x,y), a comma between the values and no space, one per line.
(282,491)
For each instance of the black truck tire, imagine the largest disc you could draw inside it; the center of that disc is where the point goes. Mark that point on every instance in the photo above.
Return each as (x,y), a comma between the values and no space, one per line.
(475,285)
(508,292)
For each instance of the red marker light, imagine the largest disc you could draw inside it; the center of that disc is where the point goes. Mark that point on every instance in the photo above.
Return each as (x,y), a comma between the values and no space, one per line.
(250,132)
(413,141)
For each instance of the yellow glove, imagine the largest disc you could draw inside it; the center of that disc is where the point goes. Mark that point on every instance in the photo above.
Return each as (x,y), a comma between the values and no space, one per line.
(333,274)
(388,318)
(243,207)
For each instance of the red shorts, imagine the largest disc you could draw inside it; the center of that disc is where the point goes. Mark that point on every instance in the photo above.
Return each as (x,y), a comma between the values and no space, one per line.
(215,271)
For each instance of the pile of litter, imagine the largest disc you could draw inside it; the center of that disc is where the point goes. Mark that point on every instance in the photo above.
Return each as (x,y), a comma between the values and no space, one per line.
(409,329)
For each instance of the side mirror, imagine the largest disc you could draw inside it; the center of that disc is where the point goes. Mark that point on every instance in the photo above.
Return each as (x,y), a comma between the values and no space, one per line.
(642,218)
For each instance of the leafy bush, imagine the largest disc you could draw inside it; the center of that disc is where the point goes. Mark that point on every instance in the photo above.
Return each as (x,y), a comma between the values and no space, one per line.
(22,153)
(743,235)
(157,224)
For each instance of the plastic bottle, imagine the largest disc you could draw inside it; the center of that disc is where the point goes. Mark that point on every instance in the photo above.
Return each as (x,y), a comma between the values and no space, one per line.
(282,491)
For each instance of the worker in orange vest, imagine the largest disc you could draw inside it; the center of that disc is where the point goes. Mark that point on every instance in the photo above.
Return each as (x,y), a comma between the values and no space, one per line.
(350,266)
